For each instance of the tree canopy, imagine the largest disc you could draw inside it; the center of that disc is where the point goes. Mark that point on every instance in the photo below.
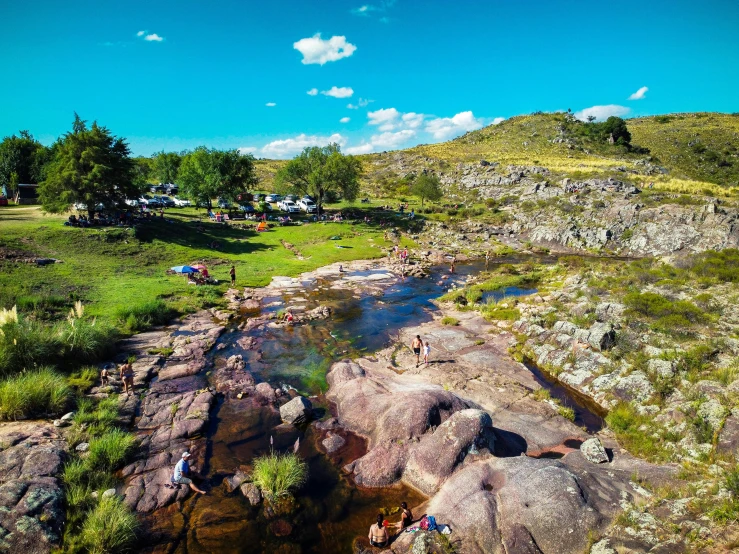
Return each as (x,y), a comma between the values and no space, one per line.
(426,187)
(166,166)
(205,174)
(90,166)
(320,171)
(22,160)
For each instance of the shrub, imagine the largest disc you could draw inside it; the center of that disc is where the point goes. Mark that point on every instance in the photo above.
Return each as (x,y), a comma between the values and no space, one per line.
(83,379)
(34,393)
(86,340)
(109,527)
(25,344)
(670,316)
(143,316)
(721,266)
(447,320)
(565,412)
(111,450)
(275,474)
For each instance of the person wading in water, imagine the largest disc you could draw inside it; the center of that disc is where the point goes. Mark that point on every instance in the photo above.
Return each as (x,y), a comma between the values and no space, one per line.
(378,535)
(417,344)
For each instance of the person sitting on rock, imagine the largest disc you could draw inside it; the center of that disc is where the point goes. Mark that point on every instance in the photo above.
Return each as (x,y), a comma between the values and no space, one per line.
(181,472)
(406,516)
(378,535)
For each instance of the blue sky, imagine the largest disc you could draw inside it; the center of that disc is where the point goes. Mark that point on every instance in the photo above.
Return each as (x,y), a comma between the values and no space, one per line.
(175,75)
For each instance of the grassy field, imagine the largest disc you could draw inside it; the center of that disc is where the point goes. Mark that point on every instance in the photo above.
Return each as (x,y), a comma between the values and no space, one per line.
(112,269)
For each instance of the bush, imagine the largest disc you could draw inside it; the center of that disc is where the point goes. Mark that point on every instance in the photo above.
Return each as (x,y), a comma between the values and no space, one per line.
(625,422)
(447,320)
(139,318)
(721,266)
(86,340)
(25,344)
(275,474)
(34,393)
(109,527)
(111,450)
(670,316)
(83,379)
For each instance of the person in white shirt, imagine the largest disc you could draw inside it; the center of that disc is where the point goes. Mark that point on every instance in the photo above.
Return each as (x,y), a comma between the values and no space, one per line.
(426,351)
(181,472)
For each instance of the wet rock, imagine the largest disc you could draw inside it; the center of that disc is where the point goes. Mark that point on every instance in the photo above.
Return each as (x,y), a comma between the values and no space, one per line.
(234,482)
(321,312)
(266,391)
(594,451)
(252,493)
(333,442)
(298,410)
(281,528)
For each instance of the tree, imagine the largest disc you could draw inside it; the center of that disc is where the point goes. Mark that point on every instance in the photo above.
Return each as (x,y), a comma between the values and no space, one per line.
(616,127)
(90,166)
(143,169)
(319,171)
(22,159)
(206,173)
(427,187)
(166,166)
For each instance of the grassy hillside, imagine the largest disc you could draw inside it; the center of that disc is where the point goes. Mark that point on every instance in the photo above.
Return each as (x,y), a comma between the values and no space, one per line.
(698,146)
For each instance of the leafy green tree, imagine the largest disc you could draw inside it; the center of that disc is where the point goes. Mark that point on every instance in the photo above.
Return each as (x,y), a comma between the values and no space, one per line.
(321,171)
(205,174)
(90,166)
(427,187)
(143,171)
(616,127)
(22,159)
(166,166)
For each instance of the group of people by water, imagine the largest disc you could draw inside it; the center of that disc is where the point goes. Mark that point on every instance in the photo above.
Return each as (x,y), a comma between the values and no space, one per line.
(379,535)
(418,345)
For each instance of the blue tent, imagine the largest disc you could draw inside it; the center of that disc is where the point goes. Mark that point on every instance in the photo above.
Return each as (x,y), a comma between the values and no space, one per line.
(184,269)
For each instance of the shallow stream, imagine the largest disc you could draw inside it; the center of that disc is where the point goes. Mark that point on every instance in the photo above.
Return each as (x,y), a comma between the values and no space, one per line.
(331,511)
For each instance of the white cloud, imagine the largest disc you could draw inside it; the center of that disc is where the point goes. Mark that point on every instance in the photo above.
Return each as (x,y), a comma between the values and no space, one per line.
(248,149)
(383,141)
(338,92)
(317,50)
(360,104)
(639,94)
(345,120)
(385,118)
(412,120)
(443,128)
(312,92)
(289,147)
(153,38)
(498,120)
(270,104)
(140,33)
(602,112)
(364,10)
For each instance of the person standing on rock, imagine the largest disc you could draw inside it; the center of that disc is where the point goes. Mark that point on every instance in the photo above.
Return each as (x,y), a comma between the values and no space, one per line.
(127,377)
(104,377)
(232,273)
(417,344)
(181,472)
(452,264)
(426,352)
(378,535)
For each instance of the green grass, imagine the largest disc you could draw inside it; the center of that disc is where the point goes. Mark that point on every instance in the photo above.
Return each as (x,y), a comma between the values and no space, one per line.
(83,379)
(34,393)
(275,474)
(109,527)
(448,320)
(625,422)
(565,412)
(112,270)
(144,315)
(111,450)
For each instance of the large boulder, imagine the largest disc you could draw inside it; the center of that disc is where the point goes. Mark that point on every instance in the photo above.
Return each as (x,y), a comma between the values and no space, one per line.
(601,336)
(298,410)
(594,451)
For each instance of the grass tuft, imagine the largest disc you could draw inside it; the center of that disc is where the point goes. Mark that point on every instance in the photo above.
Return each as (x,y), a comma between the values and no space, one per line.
(448,320)
(275,474)
(34,393)
(109,527)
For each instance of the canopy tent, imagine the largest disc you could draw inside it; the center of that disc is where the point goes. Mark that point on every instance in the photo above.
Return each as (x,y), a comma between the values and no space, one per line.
(184,269)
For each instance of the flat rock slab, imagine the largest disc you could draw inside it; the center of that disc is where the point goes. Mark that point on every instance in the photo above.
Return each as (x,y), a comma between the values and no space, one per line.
(31,496)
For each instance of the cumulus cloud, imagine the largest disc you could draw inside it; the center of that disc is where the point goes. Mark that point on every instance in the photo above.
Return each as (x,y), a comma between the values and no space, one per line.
(639,94)
(602,112)
(385,118)
(320,51)
(286,148)
(412,120)
(443,128)
(312,92)
(338,92)
(498,120)
(363,102)
(248,149)
(270,104)
(153,37)
(364,10)
(140,33)
(367,10)
(383,141)
(345,120)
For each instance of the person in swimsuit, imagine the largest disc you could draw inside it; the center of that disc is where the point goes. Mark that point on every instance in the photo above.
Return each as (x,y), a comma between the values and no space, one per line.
(487,260)
(416,345)
(406,516)
(378,535)
(232,273)
(104,377)
(426,352)
(127,378)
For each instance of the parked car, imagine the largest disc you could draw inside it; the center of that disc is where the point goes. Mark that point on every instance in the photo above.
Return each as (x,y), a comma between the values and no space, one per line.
(288,206)
(171,189)
(165,201)
(181,202)
(307,197)
(244,197)
(307,206)
(223,203)
(133,203)
(247,208)
(157,188)
(291,198)
(258,197)
(154,204)
(271,198)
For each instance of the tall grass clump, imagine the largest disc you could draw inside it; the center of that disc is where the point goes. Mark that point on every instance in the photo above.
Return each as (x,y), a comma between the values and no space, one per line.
(25,344)
(85,340)
(111,450)
(275,474)
(625,422)
(34,393)
(110,526)
(143,316)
